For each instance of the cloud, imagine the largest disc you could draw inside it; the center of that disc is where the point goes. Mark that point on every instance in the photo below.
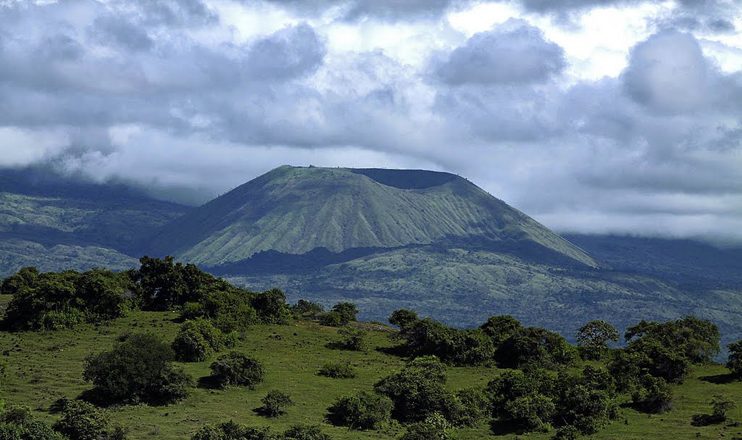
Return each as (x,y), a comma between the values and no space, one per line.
(171,97)
(514,52)
(669,73)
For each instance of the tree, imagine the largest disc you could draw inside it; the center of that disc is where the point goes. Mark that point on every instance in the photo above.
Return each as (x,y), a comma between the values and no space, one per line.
(593,338)
(501,328)
(403,318)
(137,369)
(365,410)
(534,347)
(734,363)
(653,395)
(164,284)
(83,421)
(434,427)
(271,307)
(418,390)
(341,314)
(198,339)
(307,309)
(236,369)
(275,403)
(522,401)
(695,339)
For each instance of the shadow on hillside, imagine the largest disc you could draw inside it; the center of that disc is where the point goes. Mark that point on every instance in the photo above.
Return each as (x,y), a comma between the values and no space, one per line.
(719,379)
(397,350)
(95,397)
(209,383)
(504,428)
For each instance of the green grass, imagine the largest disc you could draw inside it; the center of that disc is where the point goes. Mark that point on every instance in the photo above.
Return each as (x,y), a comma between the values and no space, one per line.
(45,366)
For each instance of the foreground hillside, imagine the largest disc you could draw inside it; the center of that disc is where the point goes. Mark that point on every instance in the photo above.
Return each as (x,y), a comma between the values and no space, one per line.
(46,366)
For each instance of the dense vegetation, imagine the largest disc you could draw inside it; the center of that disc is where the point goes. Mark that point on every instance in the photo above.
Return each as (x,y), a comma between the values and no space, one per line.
(425,381)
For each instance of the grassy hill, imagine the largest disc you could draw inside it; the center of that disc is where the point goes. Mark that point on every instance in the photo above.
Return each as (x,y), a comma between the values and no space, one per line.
(295,210)
(45,366)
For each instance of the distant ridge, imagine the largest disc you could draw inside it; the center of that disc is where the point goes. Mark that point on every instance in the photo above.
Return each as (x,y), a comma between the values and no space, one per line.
(295,210)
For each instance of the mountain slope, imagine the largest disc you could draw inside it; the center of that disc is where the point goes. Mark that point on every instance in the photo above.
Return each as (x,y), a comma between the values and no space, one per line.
(295,210)
(55,222)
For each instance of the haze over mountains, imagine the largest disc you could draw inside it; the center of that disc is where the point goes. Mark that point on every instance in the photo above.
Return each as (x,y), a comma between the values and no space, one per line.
(384,239)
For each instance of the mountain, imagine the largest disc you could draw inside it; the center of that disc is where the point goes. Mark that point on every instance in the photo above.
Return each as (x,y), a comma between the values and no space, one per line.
(384,239)
(294,210)
(57,222)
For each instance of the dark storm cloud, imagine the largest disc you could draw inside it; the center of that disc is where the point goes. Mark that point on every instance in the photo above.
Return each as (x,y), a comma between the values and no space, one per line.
(511,53)
(286,54)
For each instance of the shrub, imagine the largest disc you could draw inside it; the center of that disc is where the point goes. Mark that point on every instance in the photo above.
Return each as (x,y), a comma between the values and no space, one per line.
(198,339)
(303,432)
(83,421)
(418,390)
(352,339)
(229,308)
(236,369)
(331,319)
(307,309)
(586,409)
(341,314)
(271,307)
(137,369)
(163,284)
(434,427)
(653,395)
(19,424)
(338,370)
(428,337)
(471,407)
(734,363)
(275,403)
(365,410)
(403,318)
(720,405)
(232,431)
(528,413)
(535,347)
(567,433)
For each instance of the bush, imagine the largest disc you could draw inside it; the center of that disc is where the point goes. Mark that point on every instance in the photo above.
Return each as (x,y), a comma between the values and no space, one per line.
(418,391)
(352,339)
(586,409)
(734,363)
(403,318)
(232,431)
(529,413)
(339,370)
(137,369)
(720,405)
(471,407)
(83,421)
(199,339)
(567,433)
(271,307)
(341,314)
(303,432)
(53,301)
(365,410)
(307,309)
(236,369)
(653,395)
(433,427)
(227,307)
(428,337)
(535,347)
(275,404)
(19,424)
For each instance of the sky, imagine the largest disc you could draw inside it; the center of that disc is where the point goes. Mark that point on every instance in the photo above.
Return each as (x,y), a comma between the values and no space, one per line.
(593,116)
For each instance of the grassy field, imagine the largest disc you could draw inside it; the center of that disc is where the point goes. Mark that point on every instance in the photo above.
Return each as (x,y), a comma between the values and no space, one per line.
(46,366)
